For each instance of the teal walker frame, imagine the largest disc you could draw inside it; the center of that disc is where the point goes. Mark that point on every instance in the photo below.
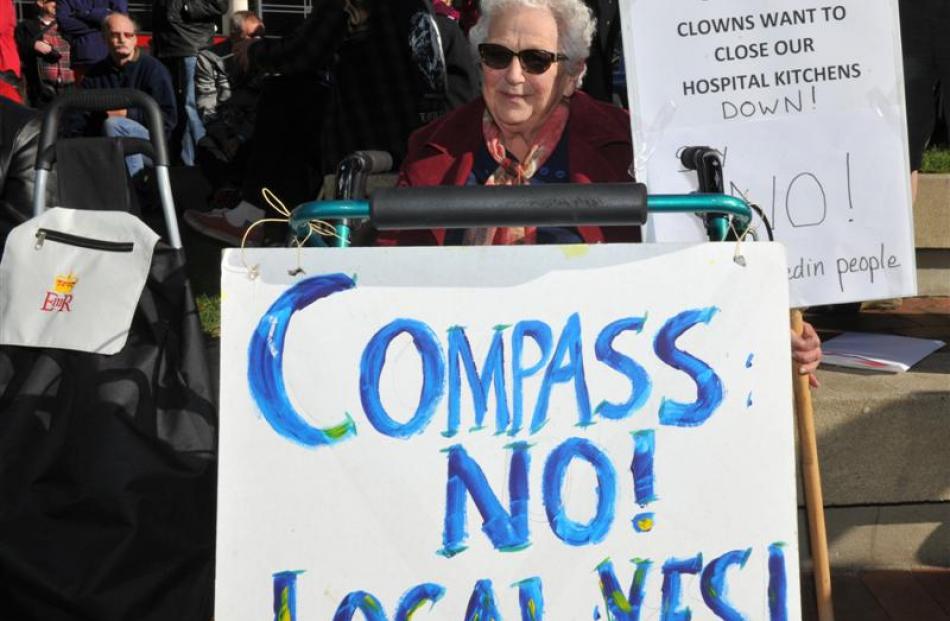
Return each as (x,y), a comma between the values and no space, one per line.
(718,207)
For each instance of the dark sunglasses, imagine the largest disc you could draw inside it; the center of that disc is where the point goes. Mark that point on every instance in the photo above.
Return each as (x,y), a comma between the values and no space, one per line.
(532,61)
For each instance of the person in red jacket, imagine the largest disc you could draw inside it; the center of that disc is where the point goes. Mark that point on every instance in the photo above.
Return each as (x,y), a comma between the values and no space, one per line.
(532,126)
(9,57)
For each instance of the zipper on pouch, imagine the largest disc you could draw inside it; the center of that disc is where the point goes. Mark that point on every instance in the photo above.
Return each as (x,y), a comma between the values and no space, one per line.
(44,235)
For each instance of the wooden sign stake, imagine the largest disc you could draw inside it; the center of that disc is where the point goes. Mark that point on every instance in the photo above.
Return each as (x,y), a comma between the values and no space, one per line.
(811,478)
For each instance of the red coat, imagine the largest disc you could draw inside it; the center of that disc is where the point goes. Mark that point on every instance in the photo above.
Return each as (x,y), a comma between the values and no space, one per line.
(9,59)
(443,153)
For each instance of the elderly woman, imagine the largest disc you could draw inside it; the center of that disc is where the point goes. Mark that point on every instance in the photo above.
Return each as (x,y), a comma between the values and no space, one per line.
(531,126)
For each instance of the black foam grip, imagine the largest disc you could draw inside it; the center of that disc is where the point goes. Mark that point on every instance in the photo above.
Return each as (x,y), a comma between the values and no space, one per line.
(375,162)
(601,204)
(100,100)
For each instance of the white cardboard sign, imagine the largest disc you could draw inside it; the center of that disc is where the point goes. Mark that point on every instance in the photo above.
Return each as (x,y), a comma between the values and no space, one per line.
(506,432)
(806,104)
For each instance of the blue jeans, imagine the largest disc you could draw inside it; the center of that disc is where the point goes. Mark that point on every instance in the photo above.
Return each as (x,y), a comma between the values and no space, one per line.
(194,128)
(120,126)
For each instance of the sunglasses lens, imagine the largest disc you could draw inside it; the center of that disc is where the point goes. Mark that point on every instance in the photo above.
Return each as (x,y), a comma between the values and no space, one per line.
(499,57)
(536,61)
(495,56)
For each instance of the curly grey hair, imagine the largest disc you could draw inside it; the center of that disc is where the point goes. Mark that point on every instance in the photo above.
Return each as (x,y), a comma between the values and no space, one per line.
(575,27)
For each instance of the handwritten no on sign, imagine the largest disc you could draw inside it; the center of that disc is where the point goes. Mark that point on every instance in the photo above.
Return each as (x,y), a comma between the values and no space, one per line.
(806,104)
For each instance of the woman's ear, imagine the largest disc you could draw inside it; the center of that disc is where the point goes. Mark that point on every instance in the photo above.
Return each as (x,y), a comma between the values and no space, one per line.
(569,87)
(574,75)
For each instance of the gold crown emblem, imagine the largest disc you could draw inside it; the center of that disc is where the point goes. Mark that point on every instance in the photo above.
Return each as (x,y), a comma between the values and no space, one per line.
(65,284)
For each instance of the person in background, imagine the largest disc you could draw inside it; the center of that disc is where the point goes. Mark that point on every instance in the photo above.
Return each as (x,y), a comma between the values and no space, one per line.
(444,7)
(357,75)
(9,57)
(228,97)
(461,75)
(532,126)
(604,50)
(182,28)
(468,13)
(45,55)
(217,72)
(925,39)
(127,67)
(381,88)
(80,22)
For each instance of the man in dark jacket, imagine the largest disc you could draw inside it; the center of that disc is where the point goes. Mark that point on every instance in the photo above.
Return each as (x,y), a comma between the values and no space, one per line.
(375,71)
(80,21)
(19,135)
(127,67)
(181,28)
(381,88)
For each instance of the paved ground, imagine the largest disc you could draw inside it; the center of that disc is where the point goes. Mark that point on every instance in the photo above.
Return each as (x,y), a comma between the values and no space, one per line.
(919,595)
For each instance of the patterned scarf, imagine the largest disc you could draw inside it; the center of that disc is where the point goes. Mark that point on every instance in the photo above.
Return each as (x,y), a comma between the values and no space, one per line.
(513,172)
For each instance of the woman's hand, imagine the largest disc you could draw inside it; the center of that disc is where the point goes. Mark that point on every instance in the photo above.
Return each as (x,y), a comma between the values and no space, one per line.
(806,353)
(42,48)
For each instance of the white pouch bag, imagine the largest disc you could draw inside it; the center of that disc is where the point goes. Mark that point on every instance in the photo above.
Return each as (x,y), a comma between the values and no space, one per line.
(71,279)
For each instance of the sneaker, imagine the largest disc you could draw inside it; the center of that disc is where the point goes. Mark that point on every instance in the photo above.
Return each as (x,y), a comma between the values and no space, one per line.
(215,225)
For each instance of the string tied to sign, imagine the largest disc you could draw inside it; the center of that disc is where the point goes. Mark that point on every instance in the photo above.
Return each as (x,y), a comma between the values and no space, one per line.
(314,227)
(750,231)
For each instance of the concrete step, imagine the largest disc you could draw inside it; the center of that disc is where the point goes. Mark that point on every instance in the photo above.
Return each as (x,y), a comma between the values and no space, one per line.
(885,438)
(933,270)
(884,447)
(932,212)
(882,537)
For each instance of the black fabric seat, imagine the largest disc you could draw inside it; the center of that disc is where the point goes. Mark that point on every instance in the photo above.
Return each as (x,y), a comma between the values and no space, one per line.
(108,462)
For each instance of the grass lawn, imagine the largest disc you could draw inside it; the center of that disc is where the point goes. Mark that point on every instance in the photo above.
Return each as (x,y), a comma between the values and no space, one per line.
(209,310)
(936,161)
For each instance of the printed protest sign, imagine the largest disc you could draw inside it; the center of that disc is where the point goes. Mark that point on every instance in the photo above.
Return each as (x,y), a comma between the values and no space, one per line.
(510,432)
(806,104)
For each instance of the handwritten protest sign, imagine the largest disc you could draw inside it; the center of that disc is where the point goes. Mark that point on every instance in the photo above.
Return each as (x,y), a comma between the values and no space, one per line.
(520,433)
(806,104)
